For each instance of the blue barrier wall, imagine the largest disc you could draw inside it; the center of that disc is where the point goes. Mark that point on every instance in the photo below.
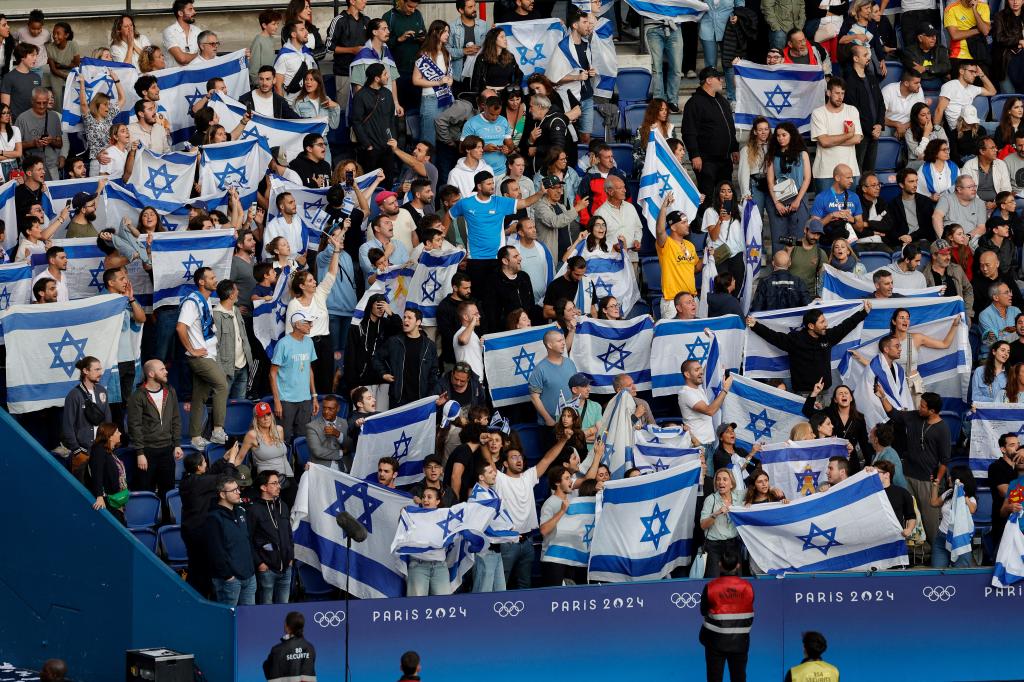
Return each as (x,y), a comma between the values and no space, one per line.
(76,585)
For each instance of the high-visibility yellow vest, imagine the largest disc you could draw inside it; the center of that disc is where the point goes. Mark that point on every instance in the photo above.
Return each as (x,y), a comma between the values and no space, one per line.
(814,671)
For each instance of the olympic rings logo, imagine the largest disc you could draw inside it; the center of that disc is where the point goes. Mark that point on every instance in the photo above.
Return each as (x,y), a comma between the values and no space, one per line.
(686,600)
(507,609)
(938,593)
(329,619)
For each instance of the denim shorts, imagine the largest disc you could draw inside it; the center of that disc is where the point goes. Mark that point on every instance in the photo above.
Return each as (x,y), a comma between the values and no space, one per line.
(586,120)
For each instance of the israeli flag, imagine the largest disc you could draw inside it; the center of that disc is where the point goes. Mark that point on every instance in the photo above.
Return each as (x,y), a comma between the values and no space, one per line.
(310,203)
(1009,568)
(163,181)
(676,341)
(394,284)
(862,378)
(9,214)
(761,413)
(573,534)
(268,317)
(427,533)
(502,527)
(533,43)
(603,57)
(59,194)
(564,62)
(15,287)
(587,6)
(678,11)
(619,436)
(509,360)
(989,421)
(674,436)
(845,286)
(432,281)
(372,569)
(177,256)
(784,93)
(99,78)
(405,433)
(752,250)
(239,163)
(797,468)
(44,342)
(708,273)
(604,349)
(661,174)
(961,525)
(608,274)
(652,457)
(122,202)
(645,525)
(84,275)
(270,132)
(181,87)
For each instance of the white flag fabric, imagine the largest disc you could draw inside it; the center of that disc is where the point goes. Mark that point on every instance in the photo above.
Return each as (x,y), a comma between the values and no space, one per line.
(44,342)
(603,57)
(1009,568)
(509,360)
(310,204)
(394,284)
(177,256)
(564,62)
(645,525)
(961,526)
(849,527)
(432,281)
(426,533)
(502,527)
(752,250)
(181,87)
(99,78)
(663,173)
(761,413)
(678,11)
(707,280)
(271,132)
(163,181)
(374,570)
(676,436)
(239,163)
(989,421)
(619,435)
(9,214)
(607,274)
(604,349)
(268,323)
(846,286)
(15,287)
(84,276)
(781,93)
(123,202)
(713,380)
(405,433)
(573,534)
(797,468)
(533,43)
(653,457)
(676,341)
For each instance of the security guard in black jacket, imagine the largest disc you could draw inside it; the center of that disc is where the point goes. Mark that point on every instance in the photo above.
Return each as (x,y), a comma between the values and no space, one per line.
(293,659)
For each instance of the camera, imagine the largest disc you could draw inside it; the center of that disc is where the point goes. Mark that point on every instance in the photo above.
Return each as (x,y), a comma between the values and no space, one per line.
(787,241)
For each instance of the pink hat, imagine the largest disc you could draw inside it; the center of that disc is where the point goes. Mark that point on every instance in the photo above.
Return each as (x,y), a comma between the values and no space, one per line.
(384,196)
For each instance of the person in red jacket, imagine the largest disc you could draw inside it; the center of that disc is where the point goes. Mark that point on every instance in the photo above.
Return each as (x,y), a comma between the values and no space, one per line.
(727,604)
(592,183)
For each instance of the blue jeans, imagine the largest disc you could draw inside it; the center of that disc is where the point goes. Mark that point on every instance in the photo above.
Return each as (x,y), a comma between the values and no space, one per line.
(789,225)
(428,112)
(711,59)
(235,592)
(665,86)
(338,325)
(488,572)
(941,558)
(517,558)
(586,121)
(238,383)
(275,588)
(777,39)
(427,578)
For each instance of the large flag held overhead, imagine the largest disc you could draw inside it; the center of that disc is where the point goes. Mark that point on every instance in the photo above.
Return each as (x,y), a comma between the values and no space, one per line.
(761,413)
(268,316)
(676,341)
(604,349)
(845,286)
(797,468)
(177,256)
(849,527)
(645,525)
(619,435)
(60,192)
(676,436)
(752,250)
(1009,567)
(431,531)
(123,202)
(310,204)
(533,43)
(239,163)
(608,274)
(674,10)
(84,276)
(651,457)
(573,534)
(181,87)
(662,173)
(509,360)
(45,342)
(271,132)
(371,570)
(99,78)
(784,93)
(432,281)
(989,421)
(405,433)
(9,214)
(163,181)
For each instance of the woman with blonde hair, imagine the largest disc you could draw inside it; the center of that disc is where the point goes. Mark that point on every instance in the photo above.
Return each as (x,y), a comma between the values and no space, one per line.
(842,257)
(720,533)
(151,59)
(265,440)
(801,431)
(97,118)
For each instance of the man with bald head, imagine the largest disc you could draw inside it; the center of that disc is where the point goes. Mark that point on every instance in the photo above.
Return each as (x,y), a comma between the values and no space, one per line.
(781,289)
(154,424)
(550,378)
(838,206)
(986,273)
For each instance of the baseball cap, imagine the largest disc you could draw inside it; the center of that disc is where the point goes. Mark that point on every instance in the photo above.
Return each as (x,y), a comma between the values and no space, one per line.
(481,177)
(579,379)
(81,199)
(928,30)
(816,226)
(262,409)
(197,204)
(708,72)
(551,181)
(674,217)
(940,245)
(722,428)
(432,459)
(244,476)
(384,196)
(302,316)
(969,115)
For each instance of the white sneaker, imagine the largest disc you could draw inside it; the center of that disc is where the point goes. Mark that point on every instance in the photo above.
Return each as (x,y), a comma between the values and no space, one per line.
(691,74)
(218,436)
(200,443)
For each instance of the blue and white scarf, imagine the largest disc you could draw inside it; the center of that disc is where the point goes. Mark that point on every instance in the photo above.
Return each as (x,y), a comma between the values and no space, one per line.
(432,72)
(929,181)
(885,380)
(205,316)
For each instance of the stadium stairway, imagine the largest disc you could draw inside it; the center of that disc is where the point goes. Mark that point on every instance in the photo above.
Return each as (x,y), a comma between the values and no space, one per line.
(75,584)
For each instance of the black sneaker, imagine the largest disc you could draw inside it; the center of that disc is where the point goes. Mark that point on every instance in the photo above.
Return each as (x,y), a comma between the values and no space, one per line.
(673,108)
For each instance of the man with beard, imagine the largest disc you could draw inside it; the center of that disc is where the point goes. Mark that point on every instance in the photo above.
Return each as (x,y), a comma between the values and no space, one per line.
(510,288)
(181,39)
(84,206)
(263,100)
(311,164)
(148,129)
(154,424)
(383,230)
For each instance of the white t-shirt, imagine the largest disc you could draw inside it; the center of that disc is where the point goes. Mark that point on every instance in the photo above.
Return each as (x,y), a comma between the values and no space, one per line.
(959,96)
(190,315)
(825,122)
(730,234)
(287,65)
(517,499)
(701,426)
(293,232)
(118,159)
(547,512)
(263,105)
(404,227)
(8,144)
(119,50)
(535,264)
(174,36)
(472,353)
(62,284)
(897,107)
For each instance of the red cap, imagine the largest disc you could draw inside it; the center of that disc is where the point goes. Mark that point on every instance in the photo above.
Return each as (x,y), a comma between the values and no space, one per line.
(384,196)
(262,409)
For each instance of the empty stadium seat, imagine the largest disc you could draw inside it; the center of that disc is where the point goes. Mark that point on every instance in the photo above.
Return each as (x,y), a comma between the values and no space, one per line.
(651,270)
(238,418)
(872,260)
(173,546)
(893,72)
(982,104)
(633,117)
(623,157)
(142,510)
(146,536)
(174,504)
(889,149)
(535,439)
(185,409)
(214,452)
(301,450)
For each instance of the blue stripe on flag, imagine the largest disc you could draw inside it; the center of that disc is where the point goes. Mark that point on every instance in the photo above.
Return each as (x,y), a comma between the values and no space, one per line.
(390,422)
(567,553)
(610,563)
(777,75)
(767,399)
(810,509)
(614,333)
(337,557)
(68,318)
(526,336)
(890,550)
(651,491)
(194,243)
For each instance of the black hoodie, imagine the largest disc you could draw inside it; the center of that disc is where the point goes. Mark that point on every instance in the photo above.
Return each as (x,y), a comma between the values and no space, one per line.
(270,526)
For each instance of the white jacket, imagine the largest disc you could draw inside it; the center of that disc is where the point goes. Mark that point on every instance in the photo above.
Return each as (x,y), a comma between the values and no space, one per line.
(1000,174)
(462,177)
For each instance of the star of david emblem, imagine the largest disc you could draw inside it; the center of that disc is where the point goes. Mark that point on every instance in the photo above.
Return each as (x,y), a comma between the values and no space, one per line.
(359,491)
(664,180)
(619,363)
(94,277)
(761,432)
(280,310)
(191,262)
(538,54)
(255,132)
(5,299)
(601,284)
(807,481)
(660,466)
(588,534)
(451,518)
(753,252)
(318,205)
(650,534)
(167,224)
(93,87)
(698,349)
(223,181)
(167,181)
(525,364)
(1020,431)
(430,287)
(770,96)
(815,532)
(194,97)
(402,446)
(58,347)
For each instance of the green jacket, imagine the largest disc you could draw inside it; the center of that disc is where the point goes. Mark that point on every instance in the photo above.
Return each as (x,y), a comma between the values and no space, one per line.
(783,15)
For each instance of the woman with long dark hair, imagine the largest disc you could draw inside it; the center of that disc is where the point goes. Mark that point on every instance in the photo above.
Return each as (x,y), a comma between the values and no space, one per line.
(1007,57)
(753,168)
(789,168)
(723,224)
(938,173)
(921,132)
(988,384)
(514,111)
(962,254)
(301,10)
(1015,384)
(1011,121)
(433,75)
(910,342)
(10,143)
(846,421)
(495,67)
(108,480)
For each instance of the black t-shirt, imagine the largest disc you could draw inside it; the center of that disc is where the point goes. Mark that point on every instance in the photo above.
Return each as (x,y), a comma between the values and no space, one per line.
(1016,352)
(560,288)
(902,503)
(999,473)
(348,32)
(313,173)
(586,88)
(411,372)
(462,455)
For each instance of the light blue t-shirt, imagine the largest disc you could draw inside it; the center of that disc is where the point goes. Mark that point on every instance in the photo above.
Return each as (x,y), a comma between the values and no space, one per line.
(293,357)
(485,223)
(495,132)
(550,381)
(828,202)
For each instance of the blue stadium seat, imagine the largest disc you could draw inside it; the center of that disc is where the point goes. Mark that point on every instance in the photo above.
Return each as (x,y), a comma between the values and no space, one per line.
(173,546)
(983,514)
(214,452)
(873,260)
(983,105)
(633,85)
(651,270)
(313,584)
(179,470)
(888,154)
(301,450)
(926,258)
(535,439)
(698,239)
(598,128)
(174,504)
(890,190)
(142,510)
(238,418)
(146,536)
(998,101)
(893,71)
(623,157)
(633,117)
